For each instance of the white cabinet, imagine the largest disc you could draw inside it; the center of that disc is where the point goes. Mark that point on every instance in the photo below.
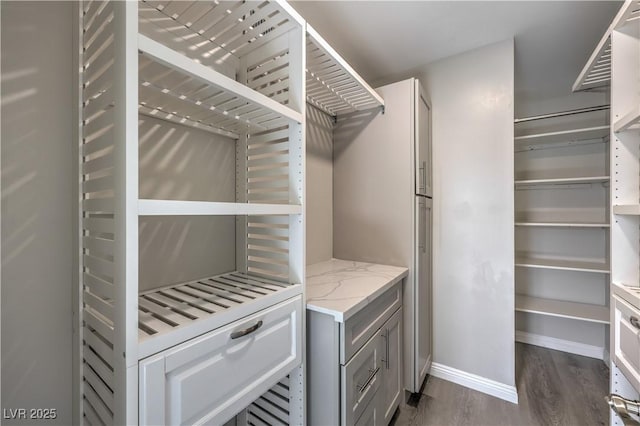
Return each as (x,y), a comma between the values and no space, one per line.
(182,385)
(365,386)
(424,174)
(626,349)
(391,391)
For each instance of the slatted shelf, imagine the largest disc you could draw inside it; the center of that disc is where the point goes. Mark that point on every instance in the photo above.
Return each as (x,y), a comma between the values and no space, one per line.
(632,118)
(597,70)
(571,135)
(562,181)
(205,208)
(173,314)
(173,85)
(214,32)
(563,309)
(563,265)
(627,209)
(562,224)
(332,84)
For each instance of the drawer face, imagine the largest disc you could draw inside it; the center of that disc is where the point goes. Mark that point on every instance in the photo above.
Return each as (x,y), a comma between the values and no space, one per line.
(359,328)
(360,380)
(212,377)
(370,415)
(627,340)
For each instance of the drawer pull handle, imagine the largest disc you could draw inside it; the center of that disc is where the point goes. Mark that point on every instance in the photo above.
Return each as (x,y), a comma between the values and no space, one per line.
(363,386)
(634,321)
(240,333)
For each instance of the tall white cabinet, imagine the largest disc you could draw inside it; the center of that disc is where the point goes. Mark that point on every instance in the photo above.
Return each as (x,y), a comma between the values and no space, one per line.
(616,60)
(235,71)
(381,167)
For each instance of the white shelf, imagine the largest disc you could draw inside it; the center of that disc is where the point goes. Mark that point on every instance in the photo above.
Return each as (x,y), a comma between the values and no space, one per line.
(630,119)
(171,85)
(563,224)
(563,309)
(629,293)
(563,181)
(563,265)
(332,85)
(171,315)
(572,135)
(597,70)
(627,209)
(205,208)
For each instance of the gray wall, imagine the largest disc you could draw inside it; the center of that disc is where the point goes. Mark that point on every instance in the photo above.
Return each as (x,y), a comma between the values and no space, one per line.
(182,163)
(37,221)
(472,97)
(319,177)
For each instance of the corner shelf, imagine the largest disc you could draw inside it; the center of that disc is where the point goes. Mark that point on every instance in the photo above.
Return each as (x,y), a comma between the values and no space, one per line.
(563,265)
(597,70)
(562,181)
(627,209)
(563,309)
(572,135)
(333,86)
(205,208)
(563,224)
(630,119)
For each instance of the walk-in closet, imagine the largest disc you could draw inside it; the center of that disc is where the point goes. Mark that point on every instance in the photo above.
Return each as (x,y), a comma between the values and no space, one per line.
(272,212)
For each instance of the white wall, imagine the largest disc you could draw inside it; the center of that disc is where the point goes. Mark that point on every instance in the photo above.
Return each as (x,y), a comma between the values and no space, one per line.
(37,231)
(472,96)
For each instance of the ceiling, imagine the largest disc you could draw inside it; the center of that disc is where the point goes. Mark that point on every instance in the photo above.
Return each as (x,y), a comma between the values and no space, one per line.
(386,40)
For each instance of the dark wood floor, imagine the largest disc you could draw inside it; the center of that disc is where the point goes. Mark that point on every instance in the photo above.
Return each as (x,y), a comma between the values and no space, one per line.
(554,388)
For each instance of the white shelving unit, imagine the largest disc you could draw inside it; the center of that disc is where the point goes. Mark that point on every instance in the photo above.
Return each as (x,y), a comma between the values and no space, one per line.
(623,74)
(332,84)
(562,265)
(563,309)
(563,224)
(236,70)
(597,71)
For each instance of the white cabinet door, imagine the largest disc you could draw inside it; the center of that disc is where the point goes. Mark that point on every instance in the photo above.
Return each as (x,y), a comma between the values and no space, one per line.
(209,379)
(422,301)
(626,349)
(422,141)
(392,388)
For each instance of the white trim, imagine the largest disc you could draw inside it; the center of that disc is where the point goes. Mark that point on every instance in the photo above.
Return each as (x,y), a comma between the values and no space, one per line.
(475,382)
(569,346)
(607,357)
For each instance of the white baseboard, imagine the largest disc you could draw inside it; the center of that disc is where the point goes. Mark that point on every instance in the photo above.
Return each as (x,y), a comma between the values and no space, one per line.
(475,382)
(577,348)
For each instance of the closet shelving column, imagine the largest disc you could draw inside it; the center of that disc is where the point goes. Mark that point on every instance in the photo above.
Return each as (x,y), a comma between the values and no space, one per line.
(235,69)
(534,187)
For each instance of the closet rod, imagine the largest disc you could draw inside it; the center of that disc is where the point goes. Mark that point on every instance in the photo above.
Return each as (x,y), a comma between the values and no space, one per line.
(562,114)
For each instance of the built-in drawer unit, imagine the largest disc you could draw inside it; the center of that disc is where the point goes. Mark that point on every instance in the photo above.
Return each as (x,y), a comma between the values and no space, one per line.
(360,379)
(356,330)
(371,415)
(209,378)
(627,340)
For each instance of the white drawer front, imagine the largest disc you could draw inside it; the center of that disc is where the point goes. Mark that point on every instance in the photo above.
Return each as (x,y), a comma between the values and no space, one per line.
(627,340)
(359,328)
(360,380)
(371,414)
(212,377)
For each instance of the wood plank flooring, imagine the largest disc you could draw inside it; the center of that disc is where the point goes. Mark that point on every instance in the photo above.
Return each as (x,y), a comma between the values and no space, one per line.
(554,388)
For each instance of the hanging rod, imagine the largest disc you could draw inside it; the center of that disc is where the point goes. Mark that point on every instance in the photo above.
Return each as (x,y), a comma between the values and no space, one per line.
(562,114)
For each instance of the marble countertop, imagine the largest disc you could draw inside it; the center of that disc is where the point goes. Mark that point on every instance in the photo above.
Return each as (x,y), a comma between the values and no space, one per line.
(343,287)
